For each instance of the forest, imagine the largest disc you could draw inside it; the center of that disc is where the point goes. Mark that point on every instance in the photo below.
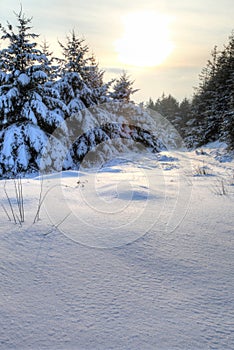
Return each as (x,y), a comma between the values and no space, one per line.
(209,115)
(52,114)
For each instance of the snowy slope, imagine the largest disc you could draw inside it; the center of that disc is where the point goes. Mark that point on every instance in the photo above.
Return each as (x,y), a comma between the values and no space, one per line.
(142,257)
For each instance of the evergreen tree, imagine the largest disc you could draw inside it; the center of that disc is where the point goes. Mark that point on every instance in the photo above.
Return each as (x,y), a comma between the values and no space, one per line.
(73,87)
(81,88)
(150,104)
(212,105)
(169,108)
(206,116)
(123,88)
(30,107)
(75,54)
(51,64)
(185,115)
(94,78)
(225,76)
(51,115)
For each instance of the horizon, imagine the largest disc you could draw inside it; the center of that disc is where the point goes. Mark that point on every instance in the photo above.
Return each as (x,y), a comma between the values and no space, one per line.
(192,31)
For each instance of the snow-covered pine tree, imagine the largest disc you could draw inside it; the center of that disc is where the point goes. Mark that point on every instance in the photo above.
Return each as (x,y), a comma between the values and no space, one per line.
(204,106)
(212,105)
(50,64)
(123,88)
(226,92)
(94,78)
(131,125)
(81,89)
(92,123)
(73,89)
(30,107)
(121,127)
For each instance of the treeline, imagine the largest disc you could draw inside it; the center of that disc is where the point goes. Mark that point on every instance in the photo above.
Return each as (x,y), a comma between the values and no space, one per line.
(209,115)
(56,111)
(51,109)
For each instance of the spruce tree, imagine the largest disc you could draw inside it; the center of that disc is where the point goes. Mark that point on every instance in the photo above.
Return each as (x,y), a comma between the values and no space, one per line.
(73,90)
(212,105)
(81,89)
(123,88)
(30,106)
(185,116)
(94,78)
(169,108)
(226,92)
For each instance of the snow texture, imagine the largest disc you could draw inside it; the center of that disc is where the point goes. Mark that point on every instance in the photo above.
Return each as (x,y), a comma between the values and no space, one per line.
(144,261)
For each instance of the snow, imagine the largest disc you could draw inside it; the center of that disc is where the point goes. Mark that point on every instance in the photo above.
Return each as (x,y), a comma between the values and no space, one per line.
(136,254)
(23,79)
(40,75)
(16,153)
(12,93)
(40,107)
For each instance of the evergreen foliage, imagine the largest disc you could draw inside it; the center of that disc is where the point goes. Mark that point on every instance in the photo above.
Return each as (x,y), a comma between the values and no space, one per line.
(30,107)
(212,105)
(176,113)
(123,88)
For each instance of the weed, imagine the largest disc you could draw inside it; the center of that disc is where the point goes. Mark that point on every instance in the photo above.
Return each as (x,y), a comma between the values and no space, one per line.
(220,188)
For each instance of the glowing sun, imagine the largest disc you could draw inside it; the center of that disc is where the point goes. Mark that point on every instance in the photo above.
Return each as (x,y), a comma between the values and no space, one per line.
(146,41)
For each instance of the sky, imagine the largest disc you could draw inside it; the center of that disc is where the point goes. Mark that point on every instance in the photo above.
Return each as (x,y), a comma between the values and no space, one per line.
(125,34)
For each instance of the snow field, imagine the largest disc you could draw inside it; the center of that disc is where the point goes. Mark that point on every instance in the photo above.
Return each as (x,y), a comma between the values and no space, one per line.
(144,261)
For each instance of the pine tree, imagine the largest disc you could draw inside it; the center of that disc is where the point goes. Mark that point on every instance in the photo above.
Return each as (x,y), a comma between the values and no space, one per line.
(185,116)
(94,78)
(212,105)
(226,92)
(51,112)
(123,88)
(30,107)
(169,108)
(74,91)
(50,64)
(205,105)
(81,89)
(150,104)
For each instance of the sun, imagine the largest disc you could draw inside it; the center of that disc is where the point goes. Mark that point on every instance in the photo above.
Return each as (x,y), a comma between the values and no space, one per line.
(146,40)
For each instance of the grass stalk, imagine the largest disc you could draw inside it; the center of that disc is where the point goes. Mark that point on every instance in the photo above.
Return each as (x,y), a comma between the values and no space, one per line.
(10,204)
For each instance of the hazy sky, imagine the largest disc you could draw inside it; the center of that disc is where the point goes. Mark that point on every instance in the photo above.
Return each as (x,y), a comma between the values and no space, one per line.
(194,27)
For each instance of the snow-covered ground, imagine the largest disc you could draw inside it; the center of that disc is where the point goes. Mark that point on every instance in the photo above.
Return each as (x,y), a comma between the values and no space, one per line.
(135,255)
